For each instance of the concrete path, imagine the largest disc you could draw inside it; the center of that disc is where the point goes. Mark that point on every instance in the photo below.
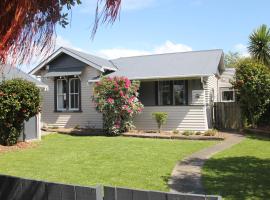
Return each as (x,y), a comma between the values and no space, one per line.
(186,175)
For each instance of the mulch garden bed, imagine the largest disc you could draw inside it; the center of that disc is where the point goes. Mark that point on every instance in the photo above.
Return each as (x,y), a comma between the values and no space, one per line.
(76,132)
(219,136)
(18,146)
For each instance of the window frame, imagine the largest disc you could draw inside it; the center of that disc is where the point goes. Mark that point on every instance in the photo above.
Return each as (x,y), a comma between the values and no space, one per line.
(73,93)
(172,92)
(62,94)
(68,94)
(224,89)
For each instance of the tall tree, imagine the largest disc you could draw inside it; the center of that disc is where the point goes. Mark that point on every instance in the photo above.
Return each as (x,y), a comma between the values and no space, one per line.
(28,26)
(259,44)
(231,58)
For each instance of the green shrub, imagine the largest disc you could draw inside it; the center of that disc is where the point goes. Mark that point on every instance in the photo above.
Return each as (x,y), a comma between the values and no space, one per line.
(77,126)
(117,99)
(252,84)
(19,101)
(198,133)
(161,119)
(175,131)
(210,132)
(188,133)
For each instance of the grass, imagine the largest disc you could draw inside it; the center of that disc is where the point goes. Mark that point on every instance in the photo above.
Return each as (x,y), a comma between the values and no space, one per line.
(116,161)
(241,172)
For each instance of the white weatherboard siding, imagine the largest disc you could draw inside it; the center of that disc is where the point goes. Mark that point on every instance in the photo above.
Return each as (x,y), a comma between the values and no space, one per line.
(88,117)
(211,89)
(179,117)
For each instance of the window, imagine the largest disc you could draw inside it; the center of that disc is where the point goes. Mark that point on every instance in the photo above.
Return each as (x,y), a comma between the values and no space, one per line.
(61,94)
(165,95)
(74,94)
(227,95)
(68,94)
(179,92)
(172,92)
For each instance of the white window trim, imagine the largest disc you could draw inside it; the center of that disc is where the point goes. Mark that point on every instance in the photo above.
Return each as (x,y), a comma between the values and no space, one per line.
(58,94)
(78,93)
(226,90)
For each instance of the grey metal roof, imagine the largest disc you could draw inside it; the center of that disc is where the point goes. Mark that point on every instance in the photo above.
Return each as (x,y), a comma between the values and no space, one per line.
(101,62)
(169,65)
(8,72)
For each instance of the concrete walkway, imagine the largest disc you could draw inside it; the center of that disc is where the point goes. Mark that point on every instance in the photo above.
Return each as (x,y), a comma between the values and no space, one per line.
(186,175)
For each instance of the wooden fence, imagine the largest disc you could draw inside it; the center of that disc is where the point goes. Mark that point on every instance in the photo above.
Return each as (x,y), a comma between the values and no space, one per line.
(14,188)
(227,115)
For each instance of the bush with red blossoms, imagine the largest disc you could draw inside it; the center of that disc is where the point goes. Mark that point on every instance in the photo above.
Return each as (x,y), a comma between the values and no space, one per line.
(19,101)
(117,99)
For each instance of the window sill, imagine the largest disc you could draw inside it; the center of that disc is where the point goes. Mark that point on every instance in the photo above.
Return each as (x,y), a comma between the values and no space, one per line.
(68,111)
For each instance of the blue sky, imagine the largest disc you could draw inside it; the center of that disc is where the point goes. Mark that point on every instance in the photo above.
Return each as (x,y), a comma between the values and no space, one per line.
(159,26)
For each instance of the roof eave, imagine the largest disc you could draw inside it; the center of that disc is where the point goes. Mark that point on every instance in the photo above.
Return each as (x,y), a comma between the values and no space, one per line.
(66,51)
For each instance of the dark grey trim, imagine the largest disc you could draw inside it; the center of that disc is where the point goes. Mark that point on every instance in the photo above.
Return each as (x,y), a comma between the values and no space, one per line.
(80,96)
(186,92)
(156,93)
(55,94)
(171,92)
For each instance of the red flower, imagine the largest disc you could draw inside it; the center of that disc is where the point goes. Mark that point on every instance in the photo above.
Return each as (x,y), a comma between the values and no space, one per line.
(110,100)
(127,83)
(131,99)
(121,93)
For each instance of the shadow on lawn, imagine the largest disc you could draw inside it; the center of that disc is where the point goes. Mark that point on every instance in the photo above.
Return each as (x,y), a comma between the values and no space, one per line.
(238,177)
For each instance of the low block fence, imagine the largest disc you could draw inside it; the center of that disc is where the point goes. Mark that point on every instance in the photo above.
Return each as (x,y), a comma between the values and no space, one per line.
(14,188)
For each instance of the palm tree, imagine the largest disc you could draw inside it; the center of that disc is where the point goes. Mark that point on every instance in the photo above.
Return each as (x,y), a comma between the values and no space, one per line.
(259,44)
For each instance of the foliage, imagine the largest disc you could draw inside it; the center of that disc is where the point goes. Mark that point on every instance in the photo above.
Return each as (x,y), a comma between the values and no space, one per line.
(259,44)
(210,132)
(118,161)
(252,84)
(33,24)
(188,133)
(198,133)
(231,58)
(175,131)
(161,119)
(19,101)
(117,99)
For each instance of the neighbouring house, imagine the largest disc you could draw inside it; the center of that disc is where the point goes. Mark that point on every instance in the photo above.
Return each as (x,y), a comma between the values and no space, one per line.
(32,128)
(184,84)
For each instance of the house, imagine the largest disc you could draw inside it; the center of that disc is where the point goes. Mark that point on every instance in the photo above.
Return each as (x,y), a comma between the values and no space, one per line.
(32,128)
(184,85)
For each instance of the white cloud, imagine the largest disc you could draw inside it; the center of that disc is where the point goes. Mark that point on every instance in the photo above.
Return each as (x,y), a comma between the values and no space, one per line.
(120,52)
(242,49)
(62,42)
(167,47)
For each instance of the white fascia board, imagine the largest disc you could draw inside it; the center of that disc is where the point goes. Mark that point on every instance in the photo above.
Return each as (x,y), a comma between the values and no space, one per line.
(171,77)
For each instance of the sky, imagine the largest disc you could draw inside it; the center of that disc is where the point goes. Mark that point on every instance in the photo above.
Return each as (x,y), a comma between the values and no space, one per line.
(162,26)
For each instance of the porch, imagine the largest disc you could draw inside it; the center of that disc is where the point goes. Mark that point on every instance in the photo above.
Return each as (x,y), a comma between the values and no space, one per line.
(184,100)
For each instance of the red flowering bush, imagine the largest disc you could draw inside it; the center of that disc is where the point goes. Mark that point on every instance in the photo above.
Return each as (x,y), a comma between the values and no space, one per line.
(19,101)
(117,99)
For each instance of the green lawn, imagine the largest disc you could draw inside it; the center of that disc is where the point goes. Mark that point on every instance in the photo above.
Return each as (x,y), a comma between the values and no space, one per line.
(116,161)
(242,172)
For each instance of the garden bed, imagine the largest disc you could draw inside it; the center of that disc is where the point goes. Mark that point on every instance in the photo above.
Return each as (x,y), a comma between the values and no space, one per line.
(76,131)
(170,135)
(18,146)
